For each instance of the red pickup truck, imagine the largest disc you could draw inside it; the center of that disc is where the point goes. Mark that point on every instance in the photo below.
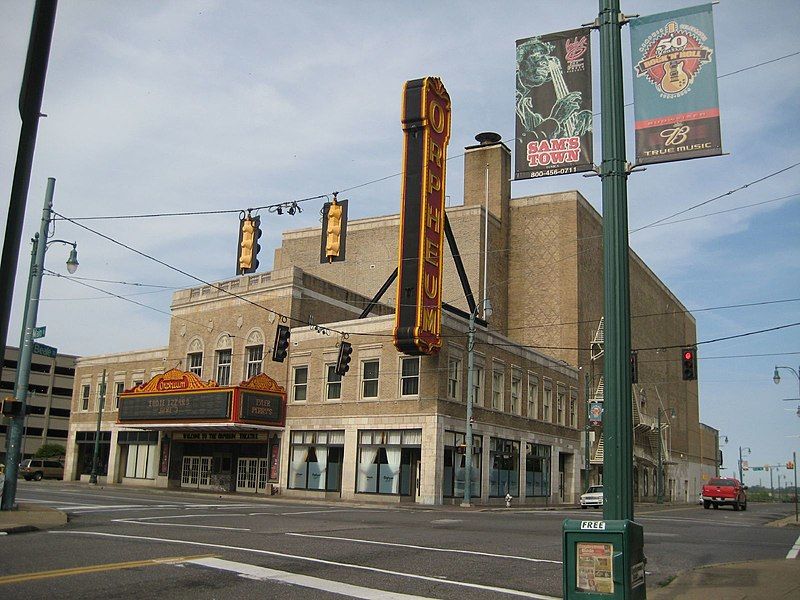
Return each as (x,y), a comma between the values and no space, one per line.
(719,491)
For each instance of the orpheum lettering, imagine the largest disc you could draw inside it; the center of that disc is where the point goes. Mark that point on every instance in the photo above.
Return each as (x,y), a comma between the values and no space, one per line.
(426,124)
(554,152)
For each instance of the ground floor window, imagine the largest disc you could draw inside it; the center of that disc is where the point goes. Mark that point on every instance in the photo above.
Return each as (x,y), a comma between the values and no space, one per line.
(316,460)
(139,453)
(537,470)
(388,461)
(504,471)
(85,442)
(454,465)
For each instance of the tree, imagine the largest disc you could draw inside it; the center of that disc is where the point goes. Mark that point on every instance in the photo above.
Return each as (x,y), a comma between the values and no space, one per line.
(50,450)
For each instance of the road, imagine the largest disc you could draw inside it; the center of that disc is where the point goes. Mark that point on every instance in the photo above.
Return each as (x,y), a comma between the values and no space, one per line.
(128,543)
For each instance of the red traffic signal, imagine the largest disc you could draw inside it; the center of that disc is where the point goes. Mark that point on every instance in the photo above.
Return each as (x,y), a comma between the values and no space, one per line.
(689,364)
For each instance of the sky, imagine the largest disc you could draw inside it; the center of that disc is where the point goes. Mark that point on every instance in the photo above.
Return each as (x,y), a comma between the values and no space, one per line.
(182,106)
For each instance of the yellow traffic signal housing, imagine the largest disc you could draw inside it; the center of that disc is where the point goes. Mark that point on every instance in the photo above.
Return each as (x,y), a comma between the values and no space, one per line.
(249,232)
(334,231)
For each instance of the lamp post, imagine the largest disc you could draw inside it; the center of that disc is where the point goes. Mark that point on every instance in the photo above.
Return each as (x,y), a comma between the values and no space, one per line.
(777,379)
(741,472)
(486,306)
(96,454)
(660,479)
(16,427)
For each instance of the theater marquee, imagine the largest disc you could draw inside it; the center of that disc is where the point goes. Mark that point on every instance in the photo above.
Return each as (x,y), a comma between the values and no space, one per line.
(426,127)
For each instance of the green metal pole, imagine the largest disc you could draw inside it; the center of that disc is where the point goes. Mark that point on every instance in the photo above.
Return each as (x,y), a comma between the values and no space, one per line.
(470,402)
(660,483)
(586,466)
(16,427)
(96,455)
(618,456)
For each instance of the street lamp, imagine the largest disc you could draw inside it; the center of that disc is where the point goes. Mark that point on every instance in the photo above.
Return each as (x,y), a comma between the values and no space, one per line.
(660,479)
(777,379)
(741,475)
(486,306)
(16,427)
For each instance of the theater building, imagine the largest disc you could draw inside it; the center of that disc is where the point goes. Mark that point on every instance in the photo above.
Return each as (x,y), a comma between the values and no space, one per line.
(392,429)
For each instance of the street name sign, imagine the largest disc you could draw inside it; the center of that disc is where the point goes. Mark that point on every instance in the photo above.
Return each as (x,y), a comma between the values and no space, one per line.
(39,332)
(44,350)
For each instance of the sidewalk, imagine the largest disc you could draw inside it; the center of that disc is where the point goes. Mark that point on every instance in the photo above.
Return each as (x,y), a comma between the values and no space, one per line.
(30,517)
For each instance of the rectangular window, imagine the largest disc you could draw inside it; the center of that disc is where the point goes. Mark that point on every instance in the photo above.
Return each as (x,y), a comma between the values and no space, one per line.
(195,362)
(504,467)
(477,385)
(537,470)
(455,465)
(409,376)
(137,382)
(255,357)
(516,392)
(300,384)
(385,461)
(573,408)
(119,387)
(453,378)
(223,367)
(498,382)
(316,460)
(547,401)
(333,383)
(369,378)
(142,461)
(561,400)
(533,396)
(85,398)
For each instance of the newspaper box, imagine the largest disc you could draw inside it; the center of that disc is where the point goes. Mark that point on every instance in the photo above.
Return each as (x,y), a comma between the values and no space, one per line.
(603,559)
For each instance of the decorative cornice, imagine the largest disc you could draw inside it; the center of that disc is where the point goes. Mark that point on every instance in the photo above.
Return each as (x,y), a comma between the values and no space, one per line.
(263,383)
(173,380)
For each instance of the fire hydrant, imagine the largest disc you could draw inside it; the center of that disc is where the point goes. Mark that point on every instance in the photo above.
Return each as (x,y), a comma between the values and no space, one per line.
(508,500)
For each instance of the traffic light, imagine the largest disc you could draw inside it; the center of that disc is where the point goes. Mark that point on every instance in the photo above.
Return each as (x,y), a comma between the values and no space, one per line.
(689,363)
(281,347)
(634,366)
(334,231)
(10,407)
(249,232)
(790,465)
(343,361)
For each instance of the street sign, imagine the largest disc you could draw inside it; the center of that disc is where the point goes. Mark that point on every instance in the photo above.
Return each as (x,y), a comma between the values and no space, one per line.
(44,350)
(39,332)
(758,468)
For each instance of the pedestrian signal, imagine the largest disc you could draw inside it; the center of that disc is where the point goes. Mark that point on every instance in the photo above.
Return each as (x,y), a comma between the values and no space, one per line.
(790,465)
(689,363)
(334,231)
(249,232)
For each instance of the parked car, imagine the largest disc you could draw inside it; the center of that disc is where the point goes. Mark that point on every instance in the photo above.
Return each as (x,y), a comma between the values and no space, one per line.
(40,468)
(720,491)
(592,497)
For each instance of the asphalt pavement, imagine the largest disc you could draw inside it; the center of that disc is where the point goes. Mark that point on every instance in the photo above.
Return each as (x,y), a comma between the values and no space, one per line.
(194,545)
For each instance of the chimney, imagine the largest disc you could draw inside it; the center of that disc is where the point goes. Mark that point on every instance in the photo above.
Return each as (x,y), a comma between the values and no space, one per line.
(492,154)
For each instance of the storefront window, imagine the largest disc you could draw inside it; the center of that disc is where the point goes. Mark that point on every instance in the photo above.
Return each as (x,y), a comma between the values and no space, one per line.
(537,470)
(140,449)
(504,472)
(85,443)
(387,461)
(454,465)
(316,460)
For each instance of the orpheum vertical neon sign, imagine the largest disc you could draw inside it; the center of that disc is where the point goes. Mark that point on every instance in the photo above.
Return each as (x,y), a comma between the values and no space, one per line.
(426,127)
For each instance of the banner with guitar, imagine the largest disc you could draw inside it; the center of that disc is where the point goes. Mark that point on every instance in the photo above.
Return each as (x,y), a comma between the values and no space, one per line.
(554,105)
(676,105)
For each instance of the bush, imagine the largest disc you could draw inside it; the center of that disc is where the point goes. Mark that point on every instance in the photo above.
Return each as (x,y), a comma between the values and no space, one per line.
(50,450)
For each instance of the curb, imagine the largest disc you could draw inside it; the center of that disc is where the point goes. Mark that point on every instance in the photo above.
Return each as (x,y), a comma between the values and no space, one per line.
(18,529)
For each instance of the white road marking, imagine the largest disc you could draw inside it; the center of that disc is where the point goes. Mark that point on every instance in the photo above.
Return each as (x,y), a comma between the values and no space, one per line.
(478,586)
(431,548)
(150,523)
(795,550)
(327,510)
(181,517)
(335,587)
(446,521)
